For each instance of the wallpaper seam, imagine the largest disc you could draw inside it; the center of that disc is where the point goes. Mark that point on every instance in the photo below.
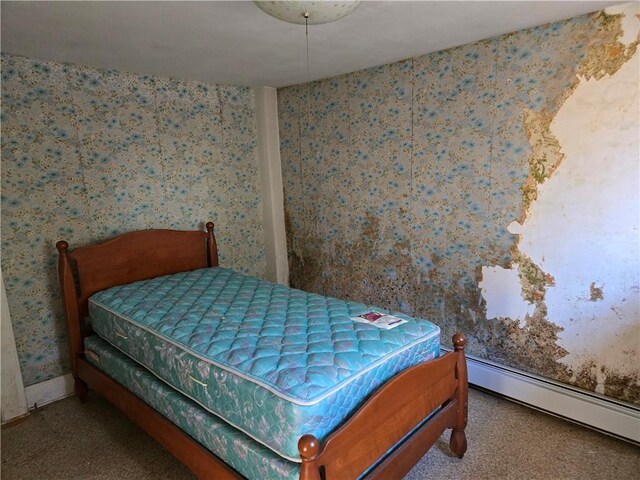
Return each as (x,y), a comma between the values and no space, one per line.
(163,169)
(411,160)
(80,145)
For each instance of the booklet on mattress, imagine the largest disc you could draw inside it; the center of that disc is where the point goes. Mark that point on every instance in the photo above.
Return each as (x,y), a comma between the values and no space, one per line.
(380,320)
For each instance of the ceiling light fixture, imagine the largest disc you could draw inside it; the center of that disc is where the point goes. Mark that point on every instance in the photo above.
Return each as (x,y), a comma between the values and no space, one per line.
(308,12)
(303,12)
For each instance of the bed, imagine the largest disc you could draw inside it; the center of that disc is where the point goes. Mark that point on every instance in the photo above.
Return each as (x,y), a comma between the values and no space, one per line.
(241,378)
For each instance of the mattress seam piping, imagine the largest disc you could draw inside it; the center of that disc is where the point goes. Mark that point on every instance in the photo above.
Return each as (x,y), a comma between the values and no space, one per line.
(280,454)
(256,381)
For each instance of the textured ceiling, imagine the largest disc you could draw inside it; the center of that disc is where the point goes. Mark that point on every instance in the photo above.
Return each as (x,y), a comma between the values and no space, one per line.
(236,43)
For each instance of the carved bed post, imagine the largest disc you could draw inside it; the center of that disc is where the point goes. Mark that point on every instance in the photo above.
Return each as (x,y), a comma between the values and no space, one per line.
(458,442)
(309,446)
(212,246)
(72,314)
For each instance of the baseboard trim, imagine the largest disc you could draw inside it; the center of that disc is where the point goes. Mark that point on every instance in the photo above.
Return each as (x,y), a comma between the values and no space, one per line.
(49,391)
(15,420)
(590,409)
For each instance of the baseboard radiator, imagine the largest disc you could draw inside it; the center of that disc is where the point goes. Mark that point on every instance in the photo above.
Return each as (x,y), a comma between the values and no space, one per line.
(590,409)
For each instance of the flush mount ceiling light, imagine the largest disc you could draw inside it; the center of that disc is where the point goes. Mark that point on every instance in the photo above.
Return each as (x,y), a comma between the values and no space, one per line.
(308,12)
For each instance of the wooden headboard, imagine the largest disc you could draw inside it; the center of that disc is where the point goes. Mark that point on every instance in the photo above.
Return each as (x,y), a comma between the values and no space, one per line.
(124,259)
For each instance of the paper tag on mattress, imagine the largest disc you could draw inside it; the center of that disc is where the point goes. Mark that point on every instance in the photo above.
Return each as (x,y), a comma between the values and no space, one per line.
(380,320)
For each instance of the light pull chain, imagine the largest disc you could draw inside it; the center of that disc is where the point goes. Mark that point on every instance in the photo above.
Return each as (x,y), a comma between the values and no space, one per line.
(307,135)
(306,32)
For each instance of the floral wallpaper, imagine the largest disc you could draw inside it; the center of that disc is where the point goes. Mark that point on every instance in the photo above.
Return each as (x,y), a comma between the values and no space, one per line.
(402,181)
(88,154)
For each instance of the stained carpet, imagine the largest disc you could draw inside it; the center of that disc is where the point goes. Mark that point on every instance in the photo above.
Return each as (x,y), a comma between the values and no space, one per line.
(93,441)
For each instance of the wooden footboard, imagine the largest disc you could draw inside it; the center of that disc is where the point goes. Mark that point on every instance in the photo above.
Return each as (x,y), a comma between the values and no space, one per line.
(436,390)
(385,437)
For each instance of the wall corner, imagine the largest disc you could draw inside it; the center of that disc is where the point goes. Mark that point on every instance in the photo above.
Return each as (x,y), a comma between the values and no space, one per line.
(271,181)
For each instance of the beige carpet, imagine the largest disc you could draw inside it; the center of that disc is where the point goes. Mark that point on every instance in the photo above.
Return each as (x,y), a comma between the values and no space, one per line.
(71,440)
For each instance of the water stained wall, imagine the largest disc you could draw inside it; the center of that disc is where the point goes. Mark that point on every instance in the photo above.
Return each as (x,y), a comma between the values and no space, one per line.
(435,186)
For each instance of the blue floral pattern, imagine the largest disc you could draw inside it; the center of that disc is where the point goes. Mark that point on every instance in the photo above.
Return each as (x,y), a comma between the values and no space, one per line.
(88,154)
(400,181)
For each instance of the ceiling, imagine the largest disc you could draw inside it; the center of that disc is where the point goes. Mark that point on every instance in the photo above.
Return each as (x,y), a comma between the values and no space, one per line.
(236,43)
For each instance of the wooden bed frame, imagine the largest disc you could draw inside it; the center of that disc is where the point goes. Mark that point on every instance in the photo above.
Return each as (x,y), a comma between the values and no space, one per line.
(394,410)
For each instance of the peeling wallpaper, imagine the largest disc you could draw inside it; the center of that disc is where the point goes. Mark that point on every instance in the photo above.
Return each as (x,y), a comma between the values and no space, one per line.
(88,154)
(482,188)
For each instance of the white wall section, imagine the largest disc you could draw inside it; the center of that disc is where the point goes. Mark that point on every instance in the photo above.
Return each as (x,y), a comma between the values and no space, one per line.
(235,43)
(13,403)
(271,178)
(583,229)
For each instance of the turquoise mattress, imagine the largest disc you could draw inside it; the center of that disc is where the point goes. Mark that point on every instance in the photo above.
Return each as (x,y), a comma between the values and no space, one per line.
(271,361)
(247,457)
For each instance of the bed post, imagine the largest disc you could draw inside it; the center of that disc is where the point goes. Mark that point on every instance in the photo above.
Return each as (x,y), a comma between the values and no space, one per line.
(309,446)
(458,441)
(212,246)
(72,314)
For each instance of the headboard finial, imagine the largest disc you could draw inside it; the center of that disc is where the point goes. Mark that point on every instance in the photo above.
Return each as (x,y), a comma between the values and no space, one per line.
(212,246)
(62,246)
(308,447)
(459,342)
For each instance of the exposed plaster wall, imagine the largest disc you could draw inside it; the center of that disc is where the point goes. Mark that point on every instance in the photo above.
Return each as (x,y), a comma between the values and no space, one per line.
(502,292)
(583,227)
(435,186)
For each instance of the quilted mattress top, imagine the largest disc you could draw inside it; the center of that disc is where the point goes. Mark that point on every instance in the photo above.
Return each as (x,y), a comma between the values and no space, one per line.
(301,346)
